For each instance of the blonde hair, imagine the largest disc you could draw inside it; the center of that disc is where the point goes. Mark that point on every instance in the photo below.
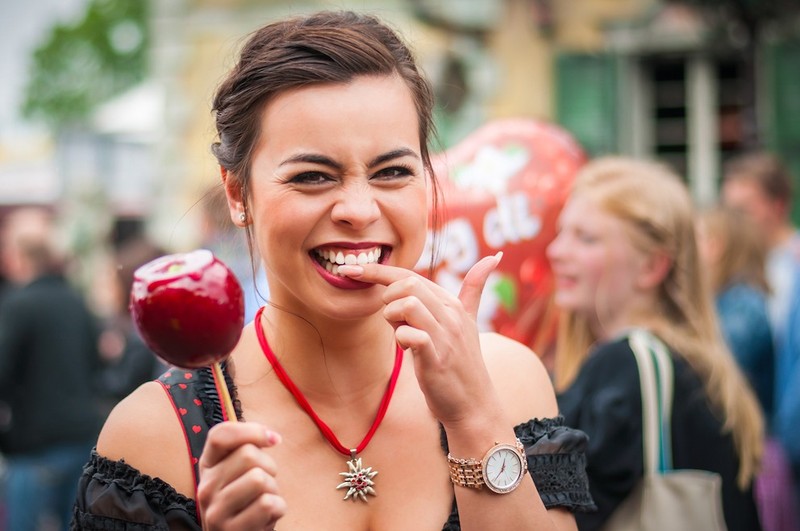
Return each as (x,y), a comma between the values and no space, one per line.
(655,206)
(744,252)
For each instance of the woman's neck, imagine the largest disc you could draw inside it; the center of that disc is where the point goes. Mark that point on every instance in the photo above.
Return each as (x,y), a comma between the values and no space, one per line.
(636,314)
(342,359)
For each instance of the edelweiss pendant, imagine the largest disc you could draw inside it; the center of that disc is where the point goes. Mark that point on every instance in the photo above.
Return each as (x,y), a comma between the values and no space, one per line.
(358,480)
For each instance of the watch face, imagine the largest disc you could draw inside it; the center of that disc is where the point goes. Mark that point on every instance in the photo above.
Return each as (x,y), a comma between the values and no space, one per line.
(503,469)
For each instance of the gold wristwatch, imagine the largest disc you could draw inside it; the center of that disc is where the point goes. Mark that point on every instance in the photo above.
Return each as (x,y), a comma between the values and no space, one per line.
(501,469)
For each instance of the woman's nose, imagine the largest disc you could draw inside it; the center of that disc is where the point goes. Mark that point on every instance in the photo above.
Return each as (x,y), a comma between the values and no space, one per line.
(553,250)
(356,206)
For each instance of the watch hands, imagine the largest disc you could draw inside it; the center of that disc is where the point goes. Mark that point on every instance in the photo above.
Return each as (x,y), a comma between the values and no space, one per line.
(502,469)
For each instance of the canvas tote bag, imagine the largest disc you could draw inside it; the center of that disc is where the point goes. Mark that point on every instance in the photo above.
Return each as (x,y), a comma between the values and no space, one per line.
(664,499)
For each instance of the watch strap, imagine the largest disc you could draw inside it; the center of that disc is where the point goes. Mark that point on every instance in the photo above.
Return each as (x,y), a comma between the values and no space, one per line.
(468,472)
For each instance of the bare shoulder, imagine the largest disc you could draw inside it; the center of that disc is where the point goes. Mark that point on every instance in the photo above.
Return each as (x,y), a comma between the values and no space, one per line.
(520,377)
(144,430)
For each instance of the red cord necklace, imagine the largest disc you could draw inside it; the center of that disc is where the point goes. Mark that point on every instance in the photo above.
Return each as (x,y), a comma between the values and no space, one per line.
(358,479)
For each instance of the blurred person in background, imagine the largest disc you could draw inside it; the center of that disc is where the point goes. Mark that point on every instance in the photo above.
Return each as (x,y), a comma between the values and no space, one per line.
(734,255)
(760,186)
(128,361)
(48,363)
(625,258)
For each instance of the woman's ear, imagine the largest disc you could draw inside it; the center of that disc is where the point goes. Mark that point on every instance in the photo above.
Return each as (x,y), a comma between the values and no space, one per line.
(236,204)
(654,270)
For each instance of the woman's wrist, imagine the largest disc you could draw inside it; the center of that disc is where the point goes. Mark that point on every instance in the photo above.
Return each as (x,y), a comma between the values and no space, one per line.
(472,436)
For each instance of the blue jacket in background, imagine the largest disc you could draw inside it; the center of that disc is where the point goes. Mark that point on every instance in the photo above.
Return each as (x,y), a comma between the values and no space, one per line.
(744,320)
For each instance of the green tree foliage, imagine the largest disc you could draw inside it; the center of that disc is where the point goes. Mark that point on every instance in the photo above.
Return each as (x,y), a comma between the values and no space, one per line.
(81,66)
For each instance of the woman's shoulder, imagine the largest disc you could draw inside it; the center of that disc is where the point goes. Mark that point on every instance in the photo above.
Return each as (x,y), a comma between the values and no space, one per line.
(608,378)
(143,428)
(519,375)
(610,360)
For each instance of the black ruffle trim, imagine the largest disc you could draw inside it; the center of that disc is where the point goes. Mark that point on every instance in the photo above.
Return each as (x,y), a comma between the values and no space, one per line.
(534,429)
(129,479)
(562,481)
(82,521)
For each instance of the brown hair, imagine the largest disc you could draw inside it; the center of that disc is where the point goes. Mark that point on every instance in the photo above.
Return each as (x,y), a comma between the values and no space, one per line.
(766,170)
(325,47)
(743,254)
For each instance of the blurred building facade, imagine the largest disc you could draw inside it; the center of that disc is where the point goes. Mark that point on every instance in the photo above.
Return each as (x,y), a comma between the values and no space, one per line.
(640,77)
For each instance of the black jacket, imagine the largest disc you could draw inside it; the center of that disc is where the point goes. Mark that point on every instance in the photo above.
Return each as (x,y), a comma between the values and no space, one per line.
(48,366)
(605,402)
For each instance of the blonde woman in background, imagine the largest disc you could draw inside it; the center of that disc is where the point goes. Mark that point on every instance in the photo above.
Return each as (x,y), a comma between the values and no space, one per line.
(626,257)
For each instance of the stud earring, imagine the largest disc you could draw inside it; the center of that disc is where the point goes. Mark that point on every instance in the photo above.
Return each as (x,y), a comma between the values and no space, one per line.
(242,217)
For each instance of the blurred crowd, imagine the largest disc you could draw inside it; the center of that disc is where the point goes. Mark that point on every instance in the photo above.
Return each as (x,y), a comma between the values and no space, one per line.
(64,365)
(69,353)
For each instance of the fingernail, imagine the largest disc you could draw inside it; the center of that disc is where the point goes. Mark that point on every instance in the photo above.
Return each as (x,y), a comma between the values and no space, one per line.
(273,437)
(351,270)
(499,256)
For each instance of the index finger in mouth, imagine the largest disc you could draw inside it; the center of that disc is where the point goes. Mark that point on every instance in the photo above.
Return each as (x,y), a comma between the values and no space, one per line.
(375,273)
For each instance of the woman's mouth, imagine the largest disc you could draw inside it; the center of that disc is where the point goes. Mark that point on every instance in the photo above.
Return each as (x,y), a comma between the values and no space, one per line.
(331,258)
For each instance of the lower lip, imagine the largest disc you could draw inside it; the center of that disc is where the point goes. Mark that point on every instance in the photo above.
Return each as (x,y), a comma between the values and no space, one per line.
(337,281)
(564,283)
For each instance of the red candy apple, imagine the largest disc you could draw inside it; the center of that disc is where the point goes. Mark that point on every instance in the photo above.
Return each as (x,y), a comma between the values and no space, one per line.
(188,307)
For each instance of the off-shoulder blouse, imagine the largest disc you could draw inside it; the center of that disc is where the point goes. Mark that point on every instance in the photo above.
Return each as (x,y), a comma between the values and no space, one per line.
(113,495)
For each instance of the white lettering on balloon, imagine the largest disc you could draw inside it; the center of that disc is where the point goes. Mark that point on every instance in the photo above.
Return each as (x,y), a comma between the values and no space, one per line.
(510,222)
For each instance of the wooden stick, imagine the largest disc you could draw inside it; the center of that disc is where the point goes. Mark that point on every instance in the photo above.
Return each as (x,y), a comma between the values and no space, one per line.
(225,395)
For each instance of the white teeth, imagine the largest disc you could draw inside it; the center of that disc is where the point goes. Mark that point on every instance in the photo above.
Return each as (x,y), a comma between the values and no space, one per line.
(332,259)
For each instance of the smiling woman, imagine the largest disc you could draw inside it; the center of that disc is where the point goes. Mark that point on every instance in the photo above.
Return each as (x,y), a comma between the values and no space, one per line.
(364,386)
(625,258)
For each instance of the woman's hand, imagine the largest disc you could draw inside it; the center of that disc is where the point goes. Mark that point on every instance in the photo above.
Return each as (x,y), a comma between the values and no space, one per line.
(237,489)
(440,330)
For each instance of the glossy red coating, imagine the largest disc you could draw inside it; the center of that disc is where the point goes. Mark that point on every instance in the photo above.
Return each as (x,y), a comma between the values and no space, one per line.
(188,307)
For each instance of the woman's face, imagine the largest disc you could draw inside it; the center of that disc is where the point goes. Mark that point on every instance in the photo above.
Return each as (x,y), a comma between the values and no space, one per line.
(337,176)
(594,264)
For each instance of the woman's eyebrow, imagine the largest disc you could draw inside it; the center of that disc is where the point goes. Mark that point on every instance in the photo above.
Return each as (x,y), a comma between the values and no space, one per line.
(312,158)
(323,160)
(391,155)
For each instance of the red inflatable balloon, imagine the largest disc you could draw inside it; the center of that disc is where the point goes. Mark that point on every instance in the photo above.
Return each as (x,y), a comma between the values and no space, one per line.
(504,187)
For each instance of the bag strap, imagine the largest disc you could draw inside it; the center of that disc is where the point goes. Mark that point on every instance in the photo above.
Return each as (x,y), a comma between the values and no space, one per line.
(656,382)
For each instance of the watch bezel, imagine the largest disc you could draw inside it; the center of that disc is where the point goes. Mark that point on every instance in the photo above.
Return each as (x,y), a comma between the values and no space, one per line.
(523,466)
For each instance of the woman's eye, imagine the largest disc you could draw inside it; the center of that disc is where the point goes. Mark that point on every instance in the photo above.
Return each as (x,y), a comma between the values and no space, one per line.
(394,172)
(310,177)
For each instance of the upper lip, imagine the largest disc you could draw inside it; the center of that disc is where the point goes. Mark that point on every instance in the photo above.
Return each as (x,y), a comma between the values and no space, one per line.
(350,245)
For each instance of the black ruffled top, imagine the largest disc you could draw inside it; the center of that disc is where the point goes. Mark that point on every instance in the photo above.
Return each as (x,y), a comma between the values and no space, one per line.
(112,495)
